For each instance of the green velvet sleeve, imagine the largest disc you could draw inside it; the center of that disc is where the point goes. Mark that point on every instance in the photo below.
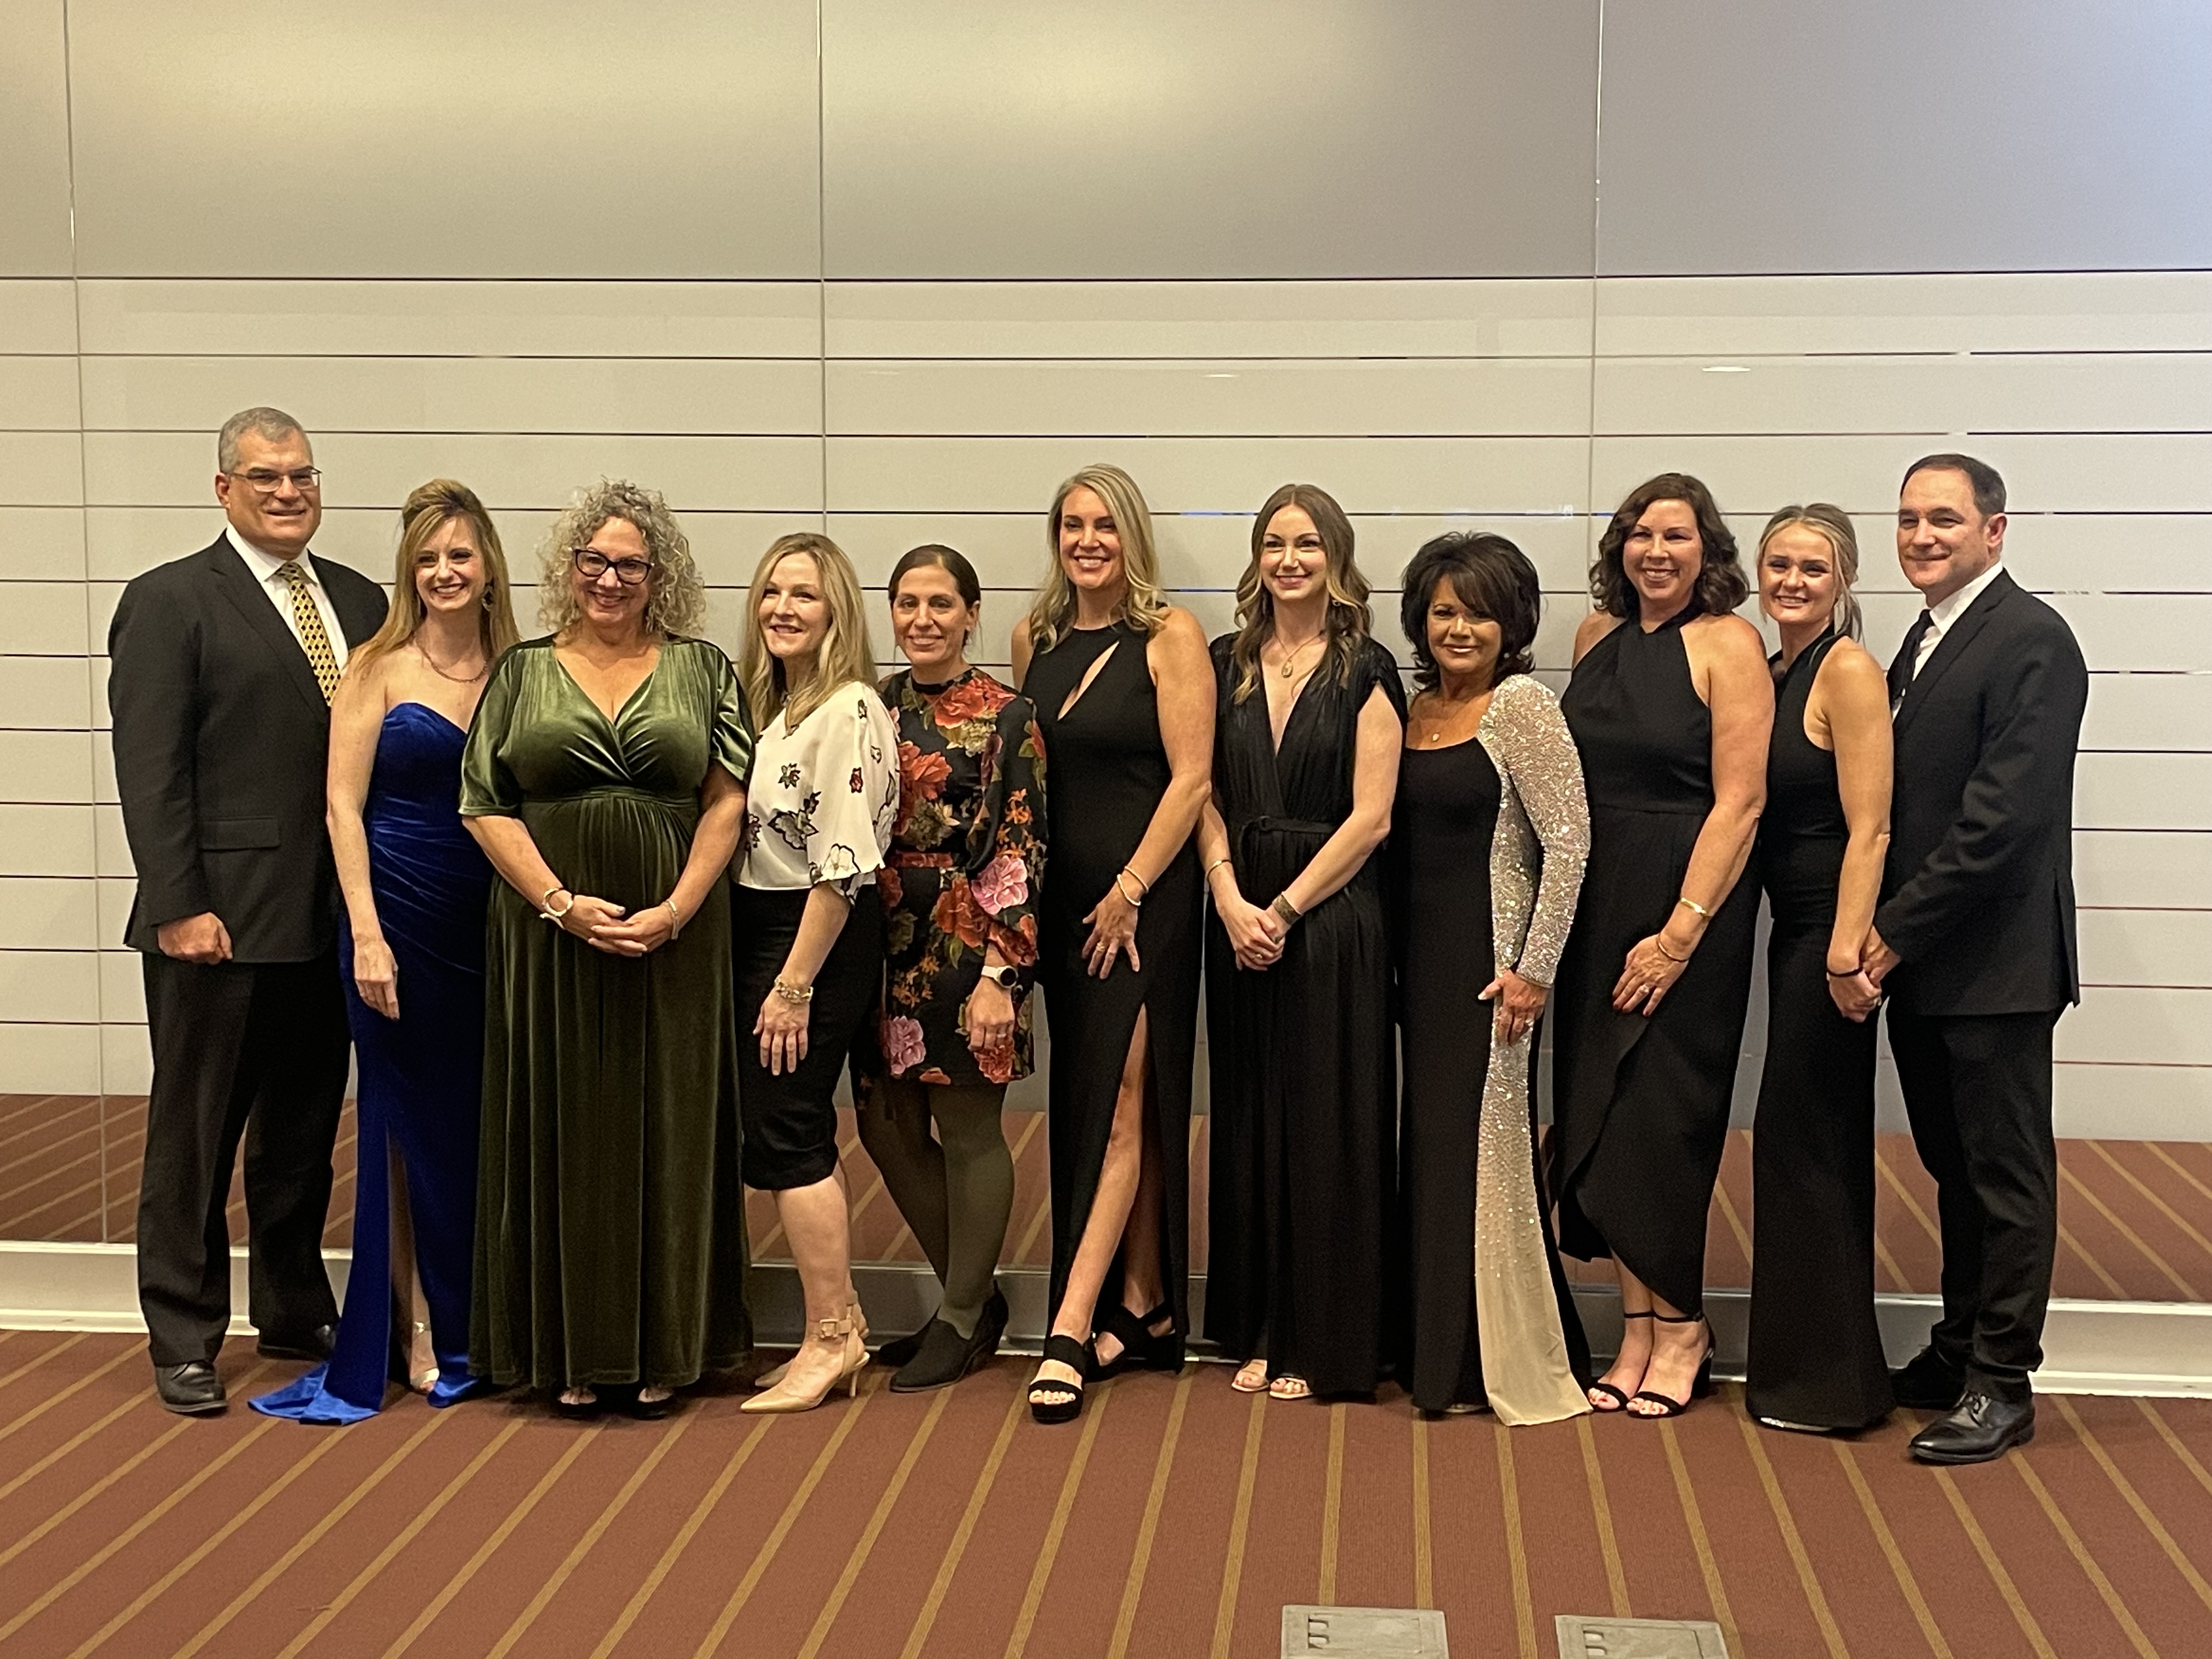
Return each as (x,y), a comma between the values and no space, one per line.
(734,723)
(488,788)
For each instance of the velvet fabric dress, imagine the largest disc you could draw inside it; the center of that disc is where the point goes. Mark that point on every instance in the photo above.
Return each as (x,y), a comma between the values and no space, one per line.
(1303,1064)
(421,1076)
(611,1242)
(1109,770)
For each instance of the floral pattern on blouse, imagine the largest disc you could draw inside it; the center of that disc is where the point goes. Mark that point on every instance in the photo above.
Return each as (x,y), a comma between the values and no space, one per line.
(966,860)
(823,797)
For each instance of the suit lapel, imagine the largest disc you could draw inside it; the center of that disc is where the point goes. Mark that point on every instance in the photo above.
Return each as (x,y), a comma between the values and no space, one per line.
(227,571)
(1954,642)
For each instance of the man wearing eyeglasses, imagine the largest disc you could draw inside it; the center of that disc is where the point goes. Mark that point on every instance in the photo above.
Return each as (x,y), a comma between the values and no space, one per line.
(222,665)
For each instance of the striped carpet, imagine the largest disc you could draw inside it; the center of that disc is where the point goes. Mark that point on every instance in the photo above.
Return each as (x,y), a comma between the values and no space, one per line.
(1174,1520)
(2135,1216)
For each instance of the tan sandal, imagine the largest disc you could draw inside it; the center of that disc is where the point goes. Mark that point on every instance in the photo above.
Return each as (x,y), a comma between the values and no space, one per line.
(1289,1387)
(1251,1377)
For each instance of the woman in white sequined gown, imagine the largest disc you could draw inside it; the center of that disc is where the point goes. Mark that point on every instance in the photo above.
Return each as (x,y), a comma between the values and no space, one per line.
(1487,842)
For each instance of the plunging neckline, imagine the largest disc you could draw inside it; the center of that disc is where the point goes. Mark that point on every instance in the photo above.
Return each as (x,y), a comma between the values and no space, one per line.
(621,708)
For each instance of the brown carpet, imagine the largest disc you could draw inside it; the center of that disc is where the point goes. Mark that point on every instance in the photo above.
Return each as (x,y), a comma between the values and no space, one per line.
(1175,1519)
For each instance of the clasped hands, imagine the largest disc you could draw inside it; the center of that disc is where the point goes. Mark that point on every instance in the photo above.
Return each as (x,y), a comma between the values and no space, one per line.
(611,928)
(1856,995)
(1256,932)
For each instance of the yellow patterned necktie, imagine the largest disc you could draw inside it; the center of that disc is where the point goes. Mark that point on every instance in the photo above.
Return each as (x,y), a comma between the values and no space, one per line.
(309,617)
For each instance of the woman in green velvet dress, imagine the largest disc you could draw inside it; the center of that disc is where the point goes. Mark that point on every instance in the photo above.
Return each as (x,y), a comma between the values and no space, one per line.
(604,778)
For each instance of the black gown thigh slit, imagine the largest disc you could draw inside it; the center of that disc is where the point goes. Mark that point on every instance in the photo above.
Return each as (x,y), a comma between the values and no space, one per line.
(1109,770)
(1300,1054)
(1640,1105)
(1816,1357)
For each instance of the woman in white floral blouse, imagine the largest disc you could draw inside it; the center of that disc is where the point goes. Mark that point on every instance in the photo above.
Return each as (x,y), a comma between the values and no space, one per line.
(819,810)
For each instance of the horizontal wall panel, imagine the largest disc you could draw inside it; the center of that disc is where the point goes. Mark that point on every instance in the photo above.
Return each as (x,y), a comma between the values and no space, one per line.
(2087,155)
(50,1059)
(1197,550)
(2131,1102)
(122,987)
(126,1061)
(994,148)
(1472,476)
(1498,317)
(111,846)
(38,394)
(176,469)
(2143,792)
(2152,392)
(53,767)
(2149,711)
(56,987)
(45,840)
(116,895)
(445,142)
(524,395)
(48,914)
(253,318)
(2139,1026)
(41,469)
(41,544)
(2047,553)
(104,787)
(2073,473)
(2148,869)
(43,694)
(1792,316)
(34,138)
(2165,633)
(37,314)
(1505,397)
(2148,947)
(42,619)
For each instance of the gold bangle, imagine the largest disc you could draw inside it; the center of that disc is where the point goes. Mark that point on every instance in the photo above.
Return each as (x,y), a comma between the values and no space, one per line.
(1138,902)
(675,918)
(1289,912)
(793,992)
(1664,952)
(547,913)
(1693,907)
(1207,874)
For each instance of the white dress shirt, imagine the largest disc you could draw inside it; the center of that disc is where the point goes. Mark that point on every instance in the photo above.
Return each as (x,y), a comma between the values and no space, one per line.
(264,567)
(1941,616)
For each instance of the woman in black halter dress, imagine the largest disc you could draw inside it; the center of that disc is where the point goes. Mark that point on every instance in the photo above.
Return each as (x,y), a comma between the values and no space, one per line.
(1123,690)
(1816,1359)
(1669,706)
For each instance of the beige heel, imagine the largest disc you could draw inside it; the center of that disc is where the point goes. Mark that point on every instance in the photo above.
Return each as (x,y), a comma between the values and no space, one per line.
(781,1397)
(774,1374)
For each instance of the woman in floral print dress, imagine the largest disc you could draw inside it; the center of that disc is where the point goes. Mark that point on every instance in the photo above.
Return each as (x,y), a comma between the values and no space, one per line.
(959,895)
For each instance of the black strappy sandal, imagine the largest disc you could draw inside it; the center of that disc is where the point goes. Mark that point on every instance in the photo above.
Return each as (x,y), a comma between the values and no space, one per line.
(1618,1395)
(1700,1386)
(1077,1357)
(1141,1350)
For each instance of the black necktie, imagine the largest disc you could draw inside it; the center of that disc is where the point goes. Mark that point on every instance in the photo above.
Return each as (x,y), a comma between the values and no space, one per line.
(1900,667)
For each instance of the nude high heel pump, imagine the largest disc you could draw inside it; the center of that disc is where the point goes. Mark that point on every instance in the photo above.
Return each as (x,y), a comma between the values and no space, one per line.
(783,1397)
(774,1374)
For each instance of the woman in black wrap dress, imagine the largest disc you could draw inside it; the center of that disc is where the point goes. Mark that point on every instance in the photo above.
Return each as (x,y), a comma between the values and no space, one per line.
(1670,707)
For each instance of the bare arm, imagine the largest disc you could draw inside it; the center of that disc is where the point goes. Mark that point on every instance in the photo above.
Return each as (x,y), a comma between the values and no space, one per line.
(1020,652)
(1740,692)
(357,721)
(1381,740)
(1854,703)
(781,1025)
(1255,936)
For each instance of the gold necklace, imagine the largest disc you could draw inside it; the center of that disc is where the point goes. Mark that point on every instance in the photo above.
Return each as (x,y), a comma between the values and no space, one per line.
(1291,655)
(441,673)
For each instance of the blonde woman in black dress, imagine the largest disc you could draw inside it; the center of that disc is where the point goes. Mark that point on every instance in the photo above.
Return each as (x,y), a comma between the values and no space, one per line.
(1123,690)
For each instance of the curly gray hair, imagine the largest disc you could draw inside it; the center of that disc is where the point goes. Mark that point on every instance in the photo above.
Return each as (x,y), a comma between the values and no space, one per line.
(676,599)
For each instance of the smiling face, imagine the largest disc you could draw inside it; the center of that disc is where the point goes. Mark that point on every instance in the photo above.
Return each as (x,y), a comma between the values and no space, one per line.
(1664,556)
(609,603)
(1798,581)
(1089,543)
(281,519)
(1943,542)
(1463,642)
(450,572)
(794,616)
(1293,562)
(932,622)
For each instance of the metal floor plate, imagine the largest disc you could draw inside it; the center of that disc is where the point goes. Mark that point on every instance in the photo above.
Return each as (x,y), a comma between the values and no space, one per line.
(1581,1637)
(1363,1633)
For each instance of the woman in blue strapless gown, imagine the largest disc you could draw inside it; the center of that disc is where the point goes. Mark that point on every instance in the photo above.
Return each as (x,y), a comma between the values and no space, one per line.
(412,951)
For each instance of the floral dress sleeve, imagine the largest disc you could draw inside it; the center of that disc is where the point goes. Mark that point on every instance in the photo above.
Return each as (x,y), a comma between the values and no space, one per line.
(1005,841)
(851,779)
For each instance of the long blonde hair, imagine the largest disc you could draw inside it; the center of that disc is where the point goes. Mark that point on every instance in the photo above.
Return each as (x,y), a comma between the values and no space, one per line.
(1346,622)
(1146,606)
(429,507)
(1833,525)
(847,654)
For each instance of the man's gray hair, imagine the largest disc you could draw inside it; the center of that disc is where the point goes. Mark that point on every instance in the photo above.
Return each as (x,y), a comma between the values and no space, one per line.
(263,421)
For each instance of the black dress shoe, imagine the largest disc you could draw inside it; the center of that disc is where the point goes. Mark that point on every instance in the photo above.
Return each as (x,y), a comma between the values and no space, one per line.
(1983,1428)
(304,1345)
(900,1350)
(945,1356)
(192,1389)
(1927,1382)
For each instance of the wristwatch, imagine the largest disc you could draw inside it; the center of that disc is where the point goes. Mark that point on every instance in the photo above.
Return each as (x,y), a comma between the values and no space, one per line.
(1005,978)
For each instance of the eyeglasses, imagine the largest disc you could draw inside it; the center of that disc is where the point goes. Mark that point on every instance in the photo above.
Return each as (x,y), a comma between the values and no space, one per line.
(302,479)
(591,564)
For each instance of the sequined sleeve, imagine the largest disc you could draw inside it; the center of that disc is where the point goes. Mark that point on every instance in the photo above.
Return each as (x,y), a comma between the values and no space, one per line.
(1547,775)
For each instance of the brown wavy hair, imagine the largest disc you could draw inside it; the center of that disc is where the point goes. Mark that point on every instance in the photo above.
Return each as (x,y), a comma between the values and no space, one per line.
(1720,585)
(427,507)
(1348,620)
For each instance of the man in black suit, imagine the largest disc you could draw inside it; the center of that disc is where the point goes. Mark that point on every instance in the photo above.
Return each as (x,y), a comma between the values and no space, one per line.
(1973,941)
(223,665)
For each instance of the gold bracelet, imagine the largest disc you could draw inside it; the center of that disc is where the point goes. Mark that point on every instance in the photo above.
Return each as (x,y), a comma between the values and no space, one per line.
(1693,907)
(675,918)
(1207,874)
(793,992)
(1138,902)
(1289,912)
(1664,952)
(545,910)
